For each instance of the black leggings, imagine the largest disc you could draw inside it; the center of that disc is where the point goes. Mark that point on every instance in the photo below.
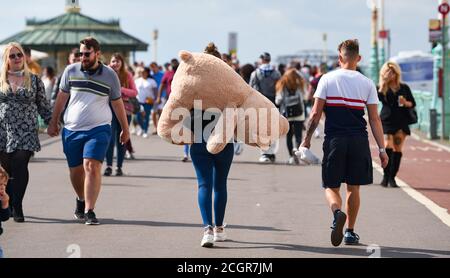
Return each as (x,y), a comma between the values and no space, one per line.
(16,164)
(295,128)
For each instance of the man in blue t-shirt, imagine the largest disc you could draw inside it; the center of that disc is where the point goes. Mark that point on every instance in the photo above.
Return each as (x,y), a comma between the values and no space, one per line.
(343,95)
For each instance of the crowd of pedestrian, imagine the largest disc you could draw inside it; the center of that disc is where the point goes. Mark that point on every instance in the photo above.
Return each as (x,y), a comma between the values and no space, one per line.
(96,104)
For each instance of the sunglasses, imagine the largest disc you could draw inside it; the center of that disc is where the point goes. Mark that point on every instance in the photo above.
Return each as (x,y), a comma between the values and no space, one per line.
(14,56)
(85,54)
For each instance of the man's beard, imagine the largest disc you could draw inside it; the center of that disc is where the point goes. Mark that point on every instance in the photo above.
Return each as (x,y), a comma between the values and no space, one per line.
(89,65)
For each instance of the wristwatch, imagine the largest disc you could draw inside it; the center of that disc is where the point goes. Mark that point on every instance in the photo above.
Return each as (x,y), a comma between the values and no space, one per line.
(382,150)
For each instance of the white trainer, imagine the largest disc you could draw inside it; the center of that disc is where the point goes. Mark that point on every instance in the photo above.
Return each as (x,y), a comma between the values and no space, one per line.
(219,234)
(264,159)
(145,135)
(208,238)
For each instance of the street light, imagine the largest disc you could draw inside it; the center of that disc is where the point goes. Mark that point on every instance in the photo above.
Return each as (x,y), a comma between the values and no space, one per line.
(444,10)
(374,62)
(155,36)
(383,35)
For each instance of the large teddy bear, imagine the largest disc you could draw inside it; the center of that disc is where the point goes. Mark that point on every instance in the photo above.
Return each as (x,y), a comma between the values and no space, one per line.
(244,112)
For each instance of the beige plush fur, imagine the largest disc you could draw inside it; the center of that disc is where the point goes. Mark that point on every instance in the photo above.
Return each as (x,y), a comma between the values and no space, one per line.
(207,78)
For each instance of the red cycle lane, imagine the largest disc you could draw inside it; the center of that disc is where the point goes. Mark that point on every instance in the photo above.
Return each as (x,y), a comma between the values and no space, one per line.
(426,168)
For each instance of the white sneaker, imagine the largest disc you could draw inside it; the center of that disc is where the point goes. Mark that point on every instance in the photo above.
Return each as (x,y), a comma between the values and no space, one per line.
(219,234)
(264,159)
(208,238)
(145,135)
(139,132)
(291,160)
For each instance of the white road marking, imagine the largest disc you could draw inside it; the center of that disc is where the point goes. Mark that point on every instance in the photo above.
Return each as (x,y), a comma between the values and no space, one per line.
(438,211)
(437,145)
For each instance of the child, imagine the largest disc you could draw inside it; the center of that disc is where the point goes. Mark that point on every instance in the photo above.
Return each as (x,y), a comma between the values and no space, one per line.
(4,198)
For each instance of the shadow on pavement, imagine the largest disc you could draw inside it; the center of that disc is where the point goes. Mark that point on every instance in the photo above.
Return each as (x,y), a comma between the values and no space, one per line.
(177,160)
(358,250)
(110,221)
(170,177)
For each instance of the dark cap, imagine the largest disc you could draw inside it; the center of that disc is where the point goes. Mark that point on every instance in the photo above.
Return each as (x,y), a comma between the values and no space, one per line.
(265,56)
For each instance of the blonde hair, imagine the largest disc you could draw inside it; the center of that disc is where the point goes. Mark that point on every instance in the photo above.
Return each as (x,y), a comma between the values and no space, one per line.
(3,174)
(4,85)
(385,84)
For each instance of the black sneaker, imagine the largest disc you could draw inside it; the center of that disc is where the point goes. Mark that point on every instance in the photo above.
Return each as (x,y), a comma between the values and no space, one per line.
(272,158)
(79,211)
(337,233)
(119,172)
(351,238)
(108,172)
(90,218)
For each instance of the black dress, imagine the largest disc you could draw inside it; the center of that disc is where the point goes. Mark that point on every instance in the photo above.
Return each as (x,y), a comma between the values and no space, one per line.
(393,117)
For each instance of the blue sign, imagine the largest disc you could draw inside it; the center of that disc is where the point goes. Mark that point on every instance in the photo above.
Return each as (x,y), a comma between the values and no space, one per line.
(414,71)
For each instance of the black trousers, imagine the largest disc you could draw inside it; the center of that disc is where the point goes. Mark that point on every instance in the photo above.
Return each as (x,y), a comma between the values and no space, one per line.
(295,130)
(16,164)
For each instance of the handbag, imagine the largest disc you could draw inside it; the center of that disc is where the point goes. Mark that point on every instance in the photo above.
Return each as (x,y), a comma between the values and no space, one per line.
(412,116)
(133,105)
(293,104)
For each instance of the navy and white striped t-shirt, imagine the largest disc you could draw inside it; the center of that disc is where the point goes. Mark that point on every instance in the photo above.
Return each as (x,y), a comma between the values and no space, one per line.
(346,92)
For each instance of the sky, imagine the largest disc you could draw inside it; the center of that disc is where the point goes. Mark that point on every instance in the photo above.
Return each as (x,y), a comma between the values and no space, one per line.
(280,27)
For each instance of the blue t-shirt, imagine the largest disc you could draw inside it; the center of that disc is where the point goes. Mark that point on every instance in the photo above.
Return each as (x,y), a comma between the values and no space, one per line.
(158,78)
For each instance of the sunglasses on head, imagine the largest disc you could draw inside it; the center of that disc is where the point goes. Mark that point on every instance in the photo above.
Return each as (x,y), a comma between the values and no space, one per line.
(85,54)
(15,55)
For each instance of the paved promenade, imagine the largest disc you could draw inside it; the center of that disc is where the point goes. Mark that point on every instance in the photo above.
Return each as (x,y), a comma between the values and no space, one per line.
(273,211)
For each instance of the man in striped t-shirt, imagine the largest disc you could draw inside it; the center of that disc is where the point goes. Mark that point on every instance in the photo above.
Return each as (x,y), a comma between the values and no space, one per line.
(343,95)
(92,87)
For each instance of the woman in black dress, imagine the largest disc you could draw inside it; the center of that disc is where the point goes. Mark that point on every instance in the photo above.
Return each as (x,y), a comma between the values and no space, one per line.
(396,98)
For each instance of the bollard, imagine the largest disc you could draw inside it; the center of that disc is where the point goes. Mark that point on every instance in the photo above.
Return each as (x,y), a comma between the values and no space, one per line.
(433,124)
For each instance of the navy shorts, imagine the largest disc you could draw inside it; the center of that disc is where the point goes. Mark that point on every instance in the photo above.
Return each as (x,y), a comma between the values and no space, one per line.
(346,160)
(92,144)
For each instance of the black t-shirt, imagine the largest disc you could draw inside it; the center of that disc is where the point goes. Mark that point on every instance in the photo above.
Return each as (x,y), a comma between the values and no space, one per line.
(201,122)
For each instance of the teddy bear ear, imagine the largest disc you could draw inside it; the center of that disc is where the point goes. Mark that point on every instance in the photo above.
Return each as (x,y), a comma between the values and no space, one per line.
(185,55)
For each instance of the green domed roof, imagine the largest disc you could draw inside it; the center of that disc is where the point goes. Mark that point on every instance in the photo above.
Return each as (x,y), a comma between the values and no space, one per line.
(66,31)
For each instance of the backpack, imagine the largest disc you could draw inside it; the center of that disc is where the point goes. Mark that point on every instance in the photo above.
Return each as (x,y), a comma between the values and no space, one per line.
(292,104)
(266,84)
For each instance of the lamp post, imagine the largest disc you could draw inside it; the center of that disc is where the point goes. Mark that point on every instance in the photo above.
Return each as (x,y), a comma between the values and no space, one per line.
(155,45)
(325,48)
(382,38)
(374,63)
(444,9)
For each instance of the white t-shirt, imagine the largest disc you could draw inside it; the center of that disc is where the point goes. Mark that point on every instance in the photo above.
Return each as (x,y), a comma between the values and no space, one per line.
(145,89)
(347,92)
